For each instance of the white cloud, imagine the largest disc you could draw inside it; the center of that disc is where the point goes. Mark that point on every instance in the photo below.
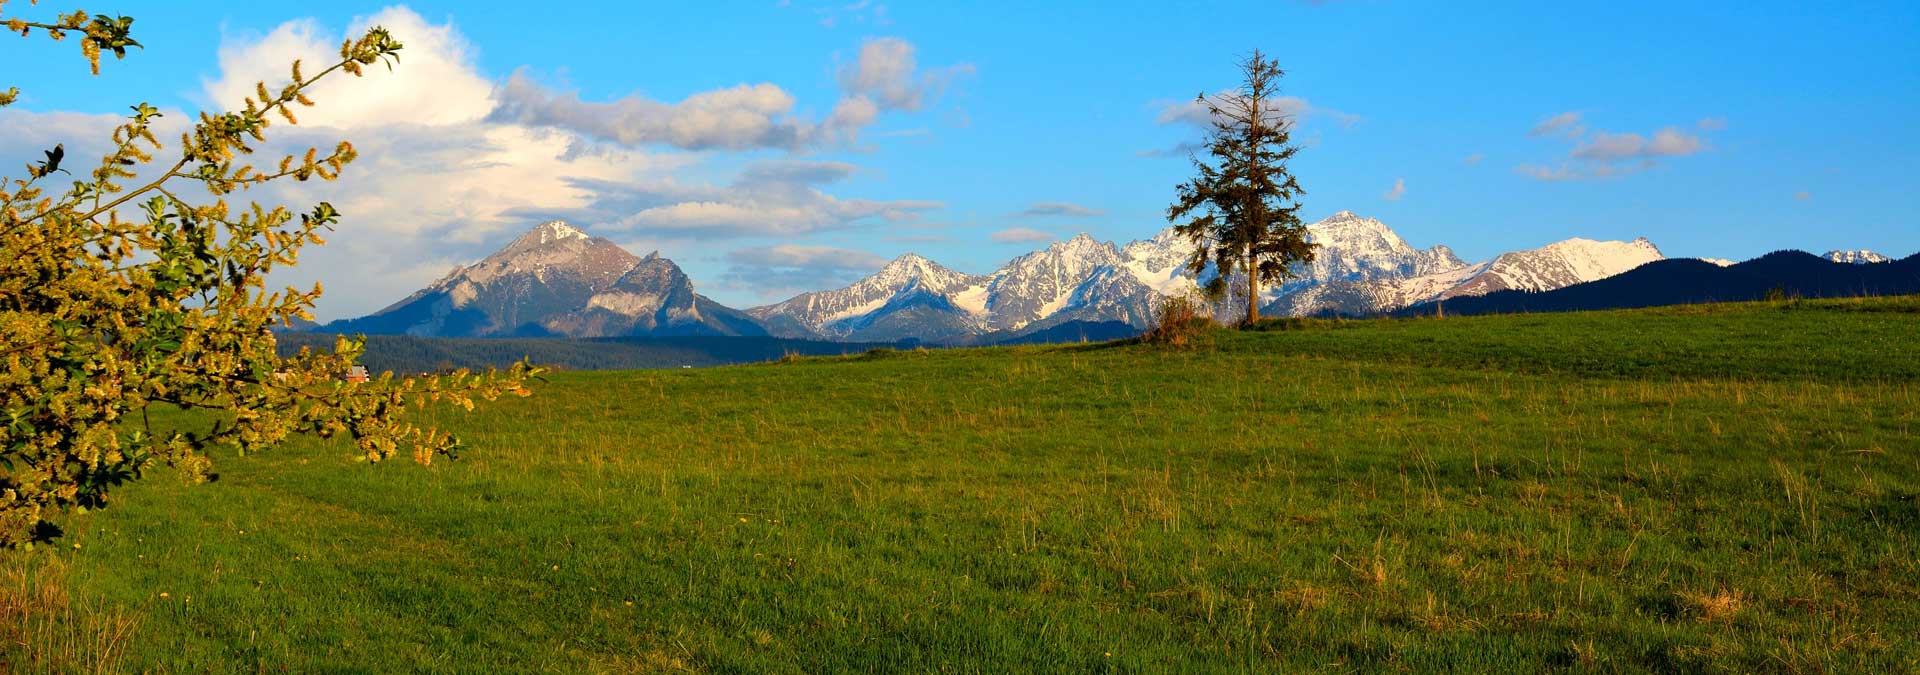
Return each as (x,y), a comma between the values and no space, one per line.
(1060,209)
(434,84)
(1668,142)
(416,203)
(1802,195)
(1473,159)
(782,270)
(1671,142)
(1604,154)
(1569,172)
(1398,190)
(886,73)
(884,77)
(1020,235)
(1564,124)
(1194,113)
(810,257)
(442,180)
(767,198)
(740,117)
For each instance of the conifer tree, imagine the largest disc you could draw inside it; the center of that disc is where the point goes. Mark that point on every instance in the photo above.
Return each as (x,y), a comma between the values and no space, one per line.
(1241,209)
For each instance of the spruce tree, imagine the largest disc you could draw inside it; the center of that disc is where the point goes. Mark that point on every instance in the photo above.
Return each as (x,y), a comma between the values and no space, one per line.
(1241,210)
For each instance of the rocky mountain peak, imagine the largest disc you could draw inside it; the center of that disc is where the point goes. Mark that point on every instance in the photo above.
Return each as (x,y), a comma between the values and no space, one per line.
(910,269)
(556,279)
(908,264)
(549,232)
(1856,257)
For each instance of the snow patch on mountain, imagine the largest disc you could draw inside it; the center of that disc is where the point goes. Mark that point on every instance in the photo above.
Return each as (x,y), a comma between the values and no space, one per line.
(555,279)
(1856,257)
(1361,267)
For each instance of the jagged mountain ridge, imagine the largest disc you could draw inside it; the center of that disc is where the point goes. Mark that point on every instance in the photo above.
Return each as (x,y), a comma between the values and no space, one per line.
(1856,257)
(911,297)
(557,280)
(1363,267)
(1557,265)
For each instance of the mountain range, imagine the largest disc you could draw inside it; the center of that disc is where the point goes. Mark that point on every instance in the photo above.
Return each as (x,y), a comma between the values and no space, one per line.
(1362,267)
(557,280)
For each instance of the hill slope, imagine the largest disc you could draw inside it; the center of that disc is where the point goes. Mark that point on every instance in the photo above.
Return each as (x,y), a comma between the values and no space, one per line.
(1726,488)
(1686,281)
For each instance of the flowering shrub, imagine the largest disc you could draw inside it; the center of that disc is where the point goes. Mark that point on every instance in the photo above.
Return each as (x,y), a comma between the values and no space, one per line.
(117,294)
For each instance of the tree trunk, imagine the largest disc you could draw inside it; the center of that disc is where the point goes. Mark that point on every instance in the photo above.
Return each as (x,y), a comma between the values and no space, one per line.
(1253,289)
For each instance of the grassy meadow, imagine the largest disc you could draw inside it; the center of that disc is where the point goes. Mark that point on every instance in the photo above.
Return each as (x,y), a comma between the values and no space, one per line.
(1716,489)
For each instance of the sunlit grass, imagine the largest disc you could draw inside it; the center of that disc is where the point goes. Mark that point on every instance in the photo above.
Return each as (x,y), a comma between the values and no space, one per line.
(1725,489)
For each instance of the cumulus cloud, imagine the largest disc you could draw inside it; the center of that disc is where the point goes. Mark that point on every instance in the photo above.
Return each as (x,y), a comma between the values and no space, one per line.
(747,216)
(1603,154)
(1564,124)
(793,171)
(1059,209)
(417,203)
(767,198)
(444,176)
(784,269)
(809,257)
(1398,190)
(740,117)
(436,83)
(1668,142)
(1194,114)
(884,77)
(886,73)
(1018,235)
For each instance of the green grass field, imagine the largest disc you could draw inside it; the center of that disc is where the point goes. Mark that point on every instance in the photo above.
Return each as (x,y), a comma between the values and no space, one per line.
(1702,489)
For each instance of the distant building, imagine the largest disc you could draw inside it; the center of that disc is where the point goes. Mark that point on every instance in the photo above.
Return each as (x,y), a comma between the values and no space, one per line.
(358,374)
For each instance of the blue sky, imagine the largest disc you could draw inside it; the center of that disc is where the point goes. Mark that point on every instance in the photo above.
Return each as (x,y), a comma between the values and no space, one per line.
(1714,129)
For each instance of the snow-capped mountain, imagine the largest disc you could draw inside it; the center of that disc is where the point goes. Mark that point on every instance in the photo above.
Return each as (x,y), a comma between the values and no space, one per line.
(1859,257)
(1077,279)
(1556,265)
(1362,267)
(912,297)
(842,313)
(1353,248)
(557,280)
(1160,262)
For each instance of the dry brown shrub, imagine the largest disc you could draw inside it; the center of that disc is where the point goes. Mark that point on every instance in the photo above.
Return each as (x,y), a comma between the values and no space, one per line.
(1182,320)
